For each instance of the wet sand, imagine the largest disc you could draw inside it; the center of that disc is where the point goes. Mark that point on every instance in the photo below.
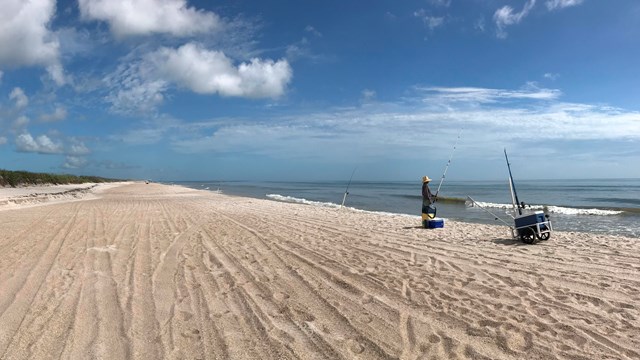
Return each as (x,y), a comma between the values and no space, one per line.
(155,271)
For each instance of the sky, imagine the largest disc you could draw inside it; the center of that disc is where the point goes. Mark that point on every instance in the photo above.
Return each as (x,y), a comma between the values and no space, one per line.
(302,90)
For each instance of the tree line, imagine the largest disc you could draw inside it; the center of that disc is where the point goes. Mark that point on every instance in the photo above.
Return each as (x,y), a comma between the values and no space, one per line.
(22,178)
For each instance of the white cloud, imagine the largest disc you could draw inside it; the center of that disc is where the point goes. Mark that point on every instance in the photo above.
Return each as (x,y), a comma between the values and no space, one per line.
(368,94)
(42,144)
(135,88)
(505,16)
(298,50)
(141,136)
(60,113)
(139,85)
(312,30)
(78,148)
(144,17)
(444,3)
(491,119)
(3,140)
(560,4)
(18,96)
(471,95)
(57,74)
(390,16)
(25,38)
(479,24)
(207,72)
(74,162)
(431,22)
(302,49)
(551,76)
(20,123)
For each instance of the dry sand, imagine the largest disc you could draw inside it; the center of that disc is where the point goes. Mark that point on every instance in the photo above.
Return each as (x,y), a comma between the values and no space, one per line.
(154,271)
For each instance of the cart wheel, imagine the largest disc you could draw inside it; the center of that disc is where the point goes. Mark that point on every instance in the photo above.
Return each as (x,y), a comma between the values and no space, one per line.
(527,235)
(544,236)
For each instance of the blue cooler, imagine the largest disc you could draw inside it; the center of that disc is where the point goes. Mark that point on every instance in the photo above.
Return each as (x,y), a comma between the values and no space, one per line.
(435,223)
(530,219)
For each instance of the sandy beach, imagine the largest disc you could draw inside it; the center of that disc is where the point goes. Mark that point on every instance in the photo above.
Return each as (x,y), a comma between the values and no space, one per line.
(150,271)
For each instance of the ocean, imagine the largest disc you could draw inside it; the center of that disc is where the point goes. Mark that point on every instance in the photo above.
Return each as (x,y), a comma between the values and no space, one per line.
(608,206)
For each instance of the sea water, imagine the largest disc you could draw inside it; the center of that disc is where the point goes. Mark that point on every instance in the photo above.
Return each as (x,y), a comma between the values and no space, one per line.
(601,206)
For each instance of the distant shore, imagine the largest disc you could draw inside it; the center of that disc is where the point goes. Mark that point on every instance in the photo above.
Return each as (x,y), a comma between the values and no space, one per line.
(159,271)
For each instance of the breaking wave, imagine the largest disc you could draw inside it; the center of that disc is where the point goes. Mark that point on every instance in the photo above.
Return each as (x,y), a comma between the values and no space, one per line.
(292,199)
(553,209)
(296,200)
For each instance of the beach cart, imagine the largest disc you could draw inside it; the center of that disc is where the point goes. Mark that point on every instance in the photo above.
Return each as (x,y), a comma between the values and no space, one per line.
(528,225)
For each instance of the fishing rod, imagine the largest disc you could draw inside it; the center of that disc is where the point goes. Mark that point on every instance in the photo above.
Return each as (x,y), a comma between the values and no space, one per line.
(346,191)
(513,186)
(475,203)
(448,163)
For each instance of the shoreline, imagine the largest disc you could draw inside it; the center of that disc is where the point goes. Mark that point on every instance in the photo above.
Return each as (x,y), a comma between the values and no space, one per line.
(160,271)
(605,222)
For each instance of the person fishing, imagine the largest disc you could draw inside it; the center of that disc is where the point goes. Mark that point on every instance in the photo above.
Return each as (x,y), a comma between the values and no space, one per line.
(428,212)
(427,196)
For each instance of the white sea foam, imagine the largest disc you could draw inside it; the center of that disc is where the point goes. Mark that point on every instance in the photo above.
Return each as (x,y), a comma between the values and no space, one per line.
(578,211)
(555,209)
(292,199)
(301,201)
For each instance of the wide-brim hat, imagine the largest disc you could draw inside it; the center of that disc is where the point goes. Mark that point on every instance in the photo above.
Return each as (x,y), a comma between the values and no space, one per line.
(425,179)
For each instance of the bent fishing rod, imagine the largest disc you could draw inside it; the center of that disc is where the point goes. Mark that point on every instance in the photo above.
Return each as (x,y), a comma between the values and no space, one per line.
(346,191)
(448,163)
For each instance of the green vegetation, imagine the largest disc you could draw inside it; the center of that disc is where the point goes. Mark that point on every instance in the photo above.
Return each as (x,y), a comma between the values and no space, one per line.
(18,178)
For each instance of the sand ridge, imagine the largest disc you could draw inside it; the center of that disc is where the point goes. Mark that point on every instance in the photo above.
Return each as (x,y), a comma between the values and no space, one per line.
(156,271)
(26,196)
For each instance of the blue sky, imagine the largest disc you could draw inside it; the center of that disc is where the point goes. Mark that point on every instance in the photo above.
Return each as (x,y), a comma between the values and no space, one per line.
(308,90)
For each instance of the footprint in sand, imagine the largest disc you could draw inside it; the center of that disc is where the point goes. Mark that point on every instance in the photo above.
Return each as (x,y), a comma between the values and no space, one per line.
(280,297)
(366,299)
(540,312)
(354,346)
(305,316)
(366,318)
(186,316)
(194,334)
(514,339)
